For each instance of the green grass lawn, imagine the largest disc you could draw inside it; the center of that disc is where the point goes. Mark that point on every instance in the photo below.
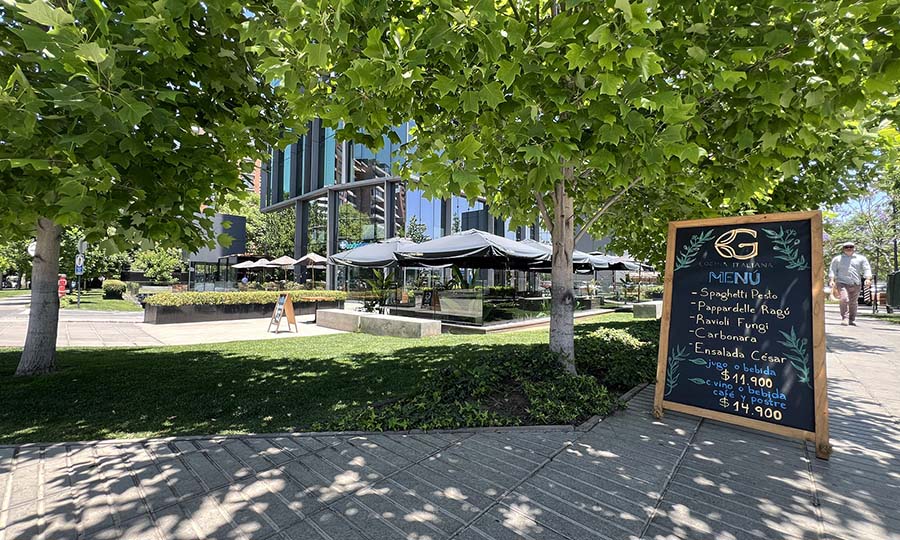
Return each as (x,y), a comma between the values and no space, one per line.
(9,293)
(93,300)
(889,317)
(259,386)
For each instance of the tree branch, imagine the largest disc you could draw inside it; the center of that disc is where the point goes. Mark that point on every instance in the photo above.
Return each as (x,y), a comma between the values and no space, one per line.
(612,200)
(543,208)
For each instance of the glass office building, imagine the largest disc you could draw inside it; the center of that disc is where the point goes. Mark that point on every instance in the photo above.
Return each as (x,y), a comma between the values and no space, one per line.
(347,195)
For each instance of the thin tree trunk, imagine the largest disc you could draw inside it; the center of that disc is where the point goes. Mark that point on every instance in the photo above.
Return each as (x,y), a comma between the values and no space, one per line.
(39,354)
(562,281)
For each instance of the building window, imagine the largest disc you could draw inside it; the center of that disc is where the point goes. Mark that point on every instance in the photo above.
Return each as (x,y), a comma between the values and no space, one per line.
(368,164)
(317,226)
(360,216)
(332,161)
(286,171)
(418,217)
(465,215)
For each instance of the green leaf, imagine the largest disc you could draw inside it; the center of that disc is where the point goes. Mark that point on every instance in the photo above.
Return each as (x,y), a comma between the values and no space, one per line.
(625,7)
(726,80)
(698,361)
(42,13)
(317,54)
(815,98)
(444,84)
(467,147)
(698,380)
(790,168)
(507,72)
(649,63)
(697,28)
(609,83)
(132,110)
(492,94)
(101,14)
(769,140)
(92,52)
(470,101)
(697,53)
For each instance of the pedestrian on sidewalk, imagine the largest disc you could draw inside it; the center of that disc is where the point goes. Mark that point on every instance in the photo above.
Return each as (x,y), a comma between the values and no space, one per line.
(846,272)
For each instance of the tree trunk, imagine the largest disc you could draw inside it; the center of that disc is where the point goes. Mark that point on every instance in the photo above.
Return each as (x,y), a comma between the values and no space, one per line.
(39,354)
(562,281)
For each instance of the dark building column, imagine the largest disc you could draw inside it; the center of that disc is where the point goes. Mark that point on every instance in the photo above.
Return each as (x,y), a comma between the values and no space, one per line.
(390,213)
(313,157)
(332,237)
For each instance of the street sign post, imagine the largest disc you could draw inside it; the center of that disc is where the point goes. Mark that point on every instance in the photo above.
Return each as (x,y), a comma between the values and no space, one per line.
(79,271)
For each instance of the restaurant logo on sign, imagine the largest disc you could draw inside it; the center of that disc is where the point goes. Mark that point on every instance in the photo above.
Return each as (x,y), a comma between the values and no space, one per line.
(748,346)
(723,245)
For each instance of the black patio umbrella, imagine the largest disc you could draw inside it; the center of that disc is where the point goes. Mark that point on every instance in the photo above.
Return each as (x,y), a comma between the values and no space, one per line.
(376,255)
(581,261)
(471,249)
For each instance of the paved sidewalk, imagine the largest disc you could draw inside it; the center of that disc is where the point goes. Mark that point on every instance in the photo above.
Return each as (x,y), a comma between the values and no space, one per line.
(628,477)
(96,331)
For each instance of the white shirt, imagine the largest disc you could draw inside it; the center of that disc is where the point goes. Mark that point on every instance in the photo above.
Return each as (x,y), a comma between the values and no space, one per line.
(849,270)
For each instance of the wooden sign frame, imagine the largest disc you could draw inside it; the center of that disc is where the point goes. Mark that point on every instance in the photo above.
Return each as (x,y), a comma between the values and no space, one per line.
(288,312)
(820,436)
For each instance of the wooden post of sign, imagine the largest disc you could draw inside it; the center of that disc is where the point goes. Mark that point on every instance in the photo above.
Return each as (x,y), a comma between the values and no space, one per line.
(820,381)
(284,308)
(724,262)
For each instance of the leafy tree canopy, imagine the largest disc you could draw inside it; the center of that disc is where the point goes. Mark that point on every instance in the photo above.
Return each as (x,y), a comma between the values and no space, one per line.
(703,108)
(130,115)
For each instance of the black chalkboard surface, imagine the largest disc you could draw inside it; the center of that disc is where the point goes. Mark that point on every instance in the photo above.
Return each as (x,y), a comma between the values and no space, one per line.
(742,337)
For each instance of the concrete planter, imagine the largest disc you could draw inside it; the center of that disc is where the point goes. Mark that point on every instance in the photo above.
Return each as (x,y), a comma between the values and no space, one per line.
(227,312)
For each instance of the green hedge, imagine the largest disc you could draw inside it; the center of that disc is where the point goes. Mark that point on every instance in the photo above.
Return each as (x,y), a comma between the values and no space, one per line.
(113,289)
(620,357)
(231,298)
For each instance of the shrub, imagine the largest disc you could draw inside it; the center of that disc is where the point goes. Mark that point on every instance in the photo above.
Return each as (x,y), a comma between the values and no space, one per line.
(583,394)
(501,290)
(133,288)
(620,358)
(113,289)
(293,286)
(270,286)
(502,386)
(230,298)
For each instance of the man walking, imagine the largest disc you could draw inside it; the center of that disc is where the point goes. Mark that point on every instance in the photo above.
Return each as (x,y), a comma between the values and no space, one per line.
(846,273)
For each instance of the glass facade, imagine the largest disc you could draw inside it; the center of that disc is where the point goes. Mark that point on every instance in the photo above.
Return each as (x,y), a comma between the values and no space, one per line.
(317,226)
(360,216)
(416,216)
(382,162)
(465,215)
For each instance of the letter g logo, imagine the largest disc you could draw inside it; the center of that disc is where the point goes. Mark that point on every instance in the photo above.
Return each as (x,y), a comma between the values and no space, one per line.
(724,248)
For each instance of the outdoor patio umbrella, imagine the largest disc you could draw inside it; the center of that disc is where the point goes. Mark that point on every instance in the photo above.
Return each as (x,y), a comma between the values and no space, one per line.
(284,262)
(377,255)
(244,265)
(581,261)
(471,249)
(313,261)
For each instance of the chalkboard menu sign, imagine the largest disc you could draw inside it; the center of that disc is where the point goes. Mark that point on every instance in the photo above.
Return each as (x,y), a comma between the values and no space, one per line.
(743,337)
(284,308)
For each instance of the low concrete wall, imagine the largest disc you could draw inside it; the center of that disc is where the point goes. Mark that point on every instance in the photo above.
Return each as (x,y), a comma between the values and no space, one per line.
(392,325)
(648,310)
(338,319)
(377,324)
